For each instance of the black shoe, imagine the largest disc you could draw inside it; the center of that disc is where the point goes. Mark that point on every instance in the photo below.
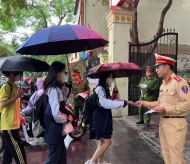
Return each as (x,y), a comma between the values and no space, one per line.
(140,122)
(147,124)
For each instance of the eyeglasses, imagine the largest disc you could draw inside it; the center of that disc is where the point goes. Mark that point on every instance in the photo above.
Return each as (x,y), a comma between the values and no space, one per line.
(65,72)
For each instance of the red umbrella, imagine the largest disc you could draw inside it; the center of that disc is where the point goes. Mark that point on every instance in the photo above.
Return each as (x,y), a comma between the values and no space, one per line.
(120,69)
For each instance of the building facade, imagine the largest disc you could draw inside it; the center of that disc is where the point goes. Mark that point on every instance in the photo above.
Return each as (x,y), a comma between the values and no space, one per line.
(114,22)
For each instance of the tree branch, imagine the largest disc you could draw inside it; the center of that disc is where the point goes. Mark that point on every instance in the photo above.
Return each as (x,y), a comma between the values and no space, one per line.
(161,23)
(61,19)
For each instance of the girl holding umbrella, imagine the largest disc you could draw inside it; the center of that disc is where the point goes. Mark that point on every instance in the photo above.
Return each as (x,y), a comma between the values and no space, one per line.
(100,127)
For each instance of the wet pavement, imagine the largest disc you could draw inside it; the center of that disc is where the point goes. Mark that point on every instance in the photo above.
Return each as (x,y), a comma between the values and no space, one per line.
(150,135)
(128,147)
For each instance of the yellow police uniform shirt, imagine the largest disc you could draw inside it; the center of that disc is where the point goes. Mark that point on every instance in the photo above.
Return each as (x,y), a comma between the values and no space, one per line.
(174,96)
(10,115)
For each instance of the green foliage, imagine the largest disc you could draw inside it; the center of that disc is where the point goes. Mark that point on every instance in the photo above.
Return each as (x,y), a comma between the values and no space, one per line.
(33,15)
(4,51)
(60,58)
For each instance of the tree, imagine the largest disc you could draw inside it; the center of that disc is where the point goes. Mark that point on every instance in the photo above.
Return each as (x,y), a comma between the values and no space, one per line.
(33,15)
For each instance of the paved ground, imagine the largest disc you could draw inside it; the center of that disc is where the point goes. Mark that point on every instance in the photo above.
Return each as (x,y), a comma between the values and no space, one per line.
(131,145)
(127,148)
(150,134)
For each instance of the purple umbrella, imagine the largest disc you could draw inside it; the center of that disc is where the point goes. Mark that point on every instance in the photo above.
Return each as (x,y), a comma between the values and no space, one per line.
(62,39)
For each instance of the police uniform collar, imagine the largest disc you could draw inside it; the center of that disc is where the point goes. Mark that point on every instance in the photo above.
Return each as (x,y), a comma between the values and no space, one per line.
(169,78)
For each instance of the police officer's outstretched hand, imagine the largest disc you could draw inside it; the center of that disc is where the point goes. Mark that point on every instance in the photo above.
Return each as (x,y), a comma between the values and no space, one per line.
(139,103)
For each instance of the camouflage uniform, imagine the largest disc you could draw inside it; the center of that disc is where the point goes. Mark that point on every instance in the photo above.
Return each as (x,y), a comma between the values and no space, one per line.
(76,89)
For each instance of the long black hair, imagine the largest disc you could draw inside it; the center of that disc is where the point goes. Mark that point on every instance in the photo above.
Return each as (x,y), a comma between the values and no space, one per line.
(51,78)
(102,82)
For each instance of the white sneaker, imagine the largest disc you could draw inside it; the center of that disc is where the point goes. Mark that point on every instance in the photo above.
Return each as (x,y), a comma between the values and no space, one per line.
(89,162)
(104,163)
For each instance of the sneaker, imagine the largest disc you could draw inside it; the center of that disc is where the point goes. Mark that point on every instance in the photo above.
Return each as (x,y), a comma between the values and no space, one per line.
(140,122)
(147,124)
(89,162)
(104,163)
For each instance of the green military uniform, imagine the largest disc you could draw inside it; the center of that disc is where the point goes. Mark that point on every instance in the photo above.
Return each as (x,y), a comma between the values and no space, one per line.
(148,94)
(76,89)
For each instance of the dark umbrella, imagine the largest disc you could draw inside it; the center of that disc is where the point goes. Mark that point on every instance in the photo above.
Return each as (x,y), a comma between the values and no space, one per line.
(62,39)
(22,63)
(120,69)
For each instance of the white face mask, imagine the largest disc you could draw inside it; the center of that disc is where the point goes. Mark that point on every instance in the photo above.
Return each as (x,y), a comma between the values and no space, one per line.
(109,80)
(17,77)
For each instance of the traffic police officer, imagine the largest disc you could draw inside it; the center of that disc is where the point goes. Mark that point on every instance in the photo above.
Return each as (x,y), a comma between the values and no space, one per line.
(148,87)
(173,105)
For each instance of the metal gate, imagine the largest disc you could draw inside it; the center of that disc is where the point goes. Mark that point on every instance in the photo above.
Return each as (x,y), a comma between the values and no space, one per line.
(143,54)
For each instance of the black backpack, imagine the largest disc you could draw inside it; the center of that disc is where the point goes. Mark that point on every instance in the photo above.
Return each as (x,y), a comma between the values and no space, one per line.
(89,108)
(38,109)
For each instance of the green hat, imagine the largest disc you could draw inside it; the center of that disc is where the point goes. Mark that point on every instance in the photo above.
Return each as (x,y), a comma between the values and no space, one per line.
(149,68)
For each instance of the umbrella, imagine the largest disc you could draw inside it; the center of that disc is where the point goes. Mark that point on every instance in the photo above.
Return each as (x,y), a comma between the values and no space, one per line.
(62,39)
(120,69)
(22,63)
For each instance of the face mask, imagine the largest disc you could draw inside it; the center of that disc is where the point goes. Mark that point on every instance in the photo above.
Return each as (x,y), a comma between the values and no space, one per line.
(66,79)
(109,80)
(63,78)
(17,77)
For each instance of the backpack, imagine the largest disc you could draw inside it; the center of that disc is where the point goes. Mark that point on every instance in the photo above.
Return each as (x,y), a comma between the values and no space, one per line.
(38,110)
(39,121)
(89,108)
(10,86)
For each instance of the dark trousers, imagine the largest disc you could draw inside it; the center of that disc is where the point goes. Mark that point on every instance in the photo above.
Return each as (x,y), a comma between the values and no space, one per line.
(14,148)
(57,153)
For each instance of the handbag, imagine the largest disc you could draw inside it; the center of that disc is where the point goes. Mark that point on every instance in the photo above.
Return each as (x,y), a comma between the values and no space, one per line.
(37,129)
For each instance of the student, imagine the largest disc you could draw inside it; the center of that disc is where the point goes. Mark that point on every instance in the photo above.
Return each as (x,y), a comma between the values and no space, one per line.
(11,119)
(55,114)
(100,126)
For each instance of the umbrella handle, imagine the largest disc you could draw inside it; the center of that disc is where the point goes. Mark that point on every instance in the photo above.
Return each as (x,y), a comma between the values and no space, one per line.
(68,65)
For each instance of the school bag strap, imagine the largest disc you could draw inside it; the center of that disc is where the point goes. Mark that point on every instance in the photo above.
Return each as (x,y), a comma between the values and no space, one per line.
(9,85)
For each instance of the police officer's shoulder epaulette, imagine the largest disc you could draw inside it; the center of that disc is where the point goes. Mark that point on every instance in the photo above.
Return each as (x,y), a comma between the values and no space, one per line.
(177,78)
